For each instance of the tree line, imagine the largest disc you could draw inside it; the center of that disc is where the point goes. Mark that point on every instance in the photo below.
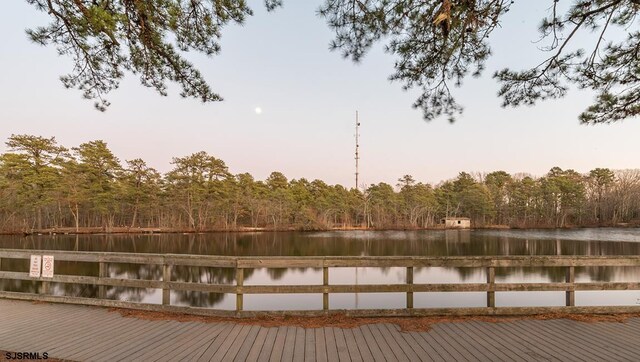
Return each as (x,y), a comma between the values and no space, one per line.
(45,186)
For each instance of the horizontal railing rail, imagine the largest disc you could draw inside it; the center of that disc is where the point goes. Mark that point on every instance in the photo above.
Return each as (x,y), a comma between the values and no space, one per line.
(239,264)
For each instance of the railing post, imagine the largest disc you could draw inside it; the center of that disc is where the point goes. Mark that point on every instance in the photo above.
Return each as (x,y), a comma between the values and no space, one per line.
(102,273)
(410,285)
(45,288)
(325,283)
(239,284)
(570,294)
(166,290)
(491,281)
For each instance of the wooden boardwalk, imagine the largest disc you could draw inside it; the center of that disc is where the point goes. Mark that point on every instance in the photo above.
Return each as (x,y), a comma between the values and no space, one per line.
(89,333)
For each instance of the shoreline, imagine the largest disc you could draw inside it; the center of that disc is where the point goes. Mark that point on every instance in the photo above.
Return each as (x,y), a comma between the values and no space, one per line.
(160,231)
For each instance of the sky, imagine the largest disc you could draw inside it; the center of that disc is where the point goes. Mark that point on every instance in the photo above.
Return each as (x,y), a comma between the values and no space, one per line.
(280,62)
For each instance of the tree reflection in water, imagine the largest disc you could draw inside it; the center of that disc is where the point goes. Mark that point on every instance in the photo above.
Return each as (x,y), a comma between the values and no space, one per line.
(354,243)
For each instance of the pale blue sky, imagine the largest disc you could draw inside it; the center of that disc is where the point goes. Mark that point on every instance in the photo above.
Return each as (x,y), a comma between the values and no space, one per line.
(281,63)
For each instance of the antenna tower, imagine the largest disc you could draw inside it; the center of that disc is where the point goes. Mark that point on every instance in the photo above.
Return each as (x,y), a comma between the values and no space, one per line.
(357,147)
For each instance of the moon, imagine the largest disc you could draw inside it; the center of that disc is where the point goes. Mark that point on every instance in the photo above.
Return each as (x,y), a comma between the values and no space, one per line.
(258,110)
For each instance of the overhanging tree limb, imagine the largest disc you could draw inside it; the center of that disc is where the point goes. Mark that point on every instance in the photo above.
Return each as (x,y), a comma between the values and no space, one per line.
(435,42)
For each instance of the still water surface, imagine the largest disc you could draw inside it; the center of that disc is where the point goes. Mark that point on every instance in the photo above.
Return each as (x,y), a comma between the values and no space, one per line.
(337,243)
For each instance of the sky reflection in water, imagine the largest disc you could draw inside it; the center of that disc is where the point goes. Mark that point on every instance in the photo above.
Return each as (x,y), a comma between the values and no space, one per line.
(337,243)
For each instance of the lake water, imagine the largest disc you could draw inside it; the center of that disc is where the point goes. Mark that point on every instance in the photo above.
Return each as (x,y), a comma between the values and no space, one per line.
(604,241)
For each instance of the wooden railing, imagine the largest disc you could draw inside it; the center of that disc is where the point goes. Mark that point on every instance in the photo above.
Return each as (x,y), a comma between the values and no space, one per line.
(240,264)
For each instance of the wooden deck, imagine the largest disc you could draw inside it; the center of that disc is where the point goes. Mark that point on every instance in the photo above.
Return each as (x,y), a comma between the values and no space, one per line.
(90,333)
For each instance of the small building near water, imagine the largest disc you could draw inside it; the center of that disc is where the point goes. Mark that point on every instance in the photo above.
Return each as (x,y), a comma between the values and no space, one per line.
(456,222)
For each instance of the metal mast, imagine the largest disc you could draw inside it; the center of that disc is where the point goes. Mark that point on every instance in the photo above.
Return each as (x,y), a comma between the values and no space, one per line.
(357,174)
(357,147)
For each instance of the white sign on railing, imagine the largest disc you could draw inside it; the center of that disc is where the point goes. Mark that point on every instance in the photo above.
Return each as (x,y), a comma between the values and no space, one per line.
(34,268)
(47,266)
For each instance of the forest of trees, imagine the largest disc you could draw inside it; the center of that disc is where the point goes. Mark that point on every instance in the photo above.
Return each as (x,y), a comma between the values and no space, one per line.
(45,186)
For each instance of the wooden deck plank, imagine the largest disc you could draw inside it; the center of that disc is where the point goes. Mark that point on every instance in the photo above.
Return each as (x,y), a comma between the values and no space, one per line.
(507,340)
(625,338)
(151,349)
(566,343)
(119,332)
(625,332)
(225,343)
(321,345)
(248,342)
(299,345)
(289,344)
(498,344)
(457,345)
(603,347)
(231,346)
(230,331)
(631,331)
(415,346)
(66,344)
(394,331)
(202,337)
(443,349)
(278,345)
(374,347)
(391,342)
(500,347)
(475,349)
(20,307)
(14,319)
(213,343)
(193,355)
(352,345)
(633,323)
(138,342)
(529,345)
(54,318)
(341,345)
(18,311)
(256,348)
(574,338)
(217,348)
(540,345)
(332,348)
(179,343)
(310,345)
(380,342)
(126,331)
(514,339)
(267,346)
(428,354)
(363,346)
(199,349)
(26,325)
(65,325)
(108,327)
(106,351)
